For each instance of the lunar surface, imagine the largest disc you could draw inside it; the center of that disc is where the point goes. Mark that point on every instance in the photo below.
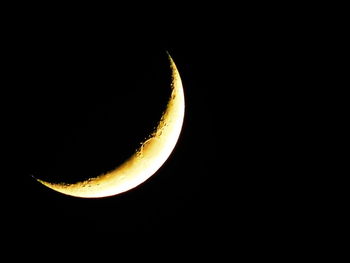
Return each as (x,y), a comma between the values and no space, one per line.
(145,161)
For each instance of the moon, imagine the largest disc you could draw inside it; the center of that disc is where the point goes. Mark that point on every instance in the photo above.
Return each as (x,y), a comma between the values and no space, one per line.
(146,160)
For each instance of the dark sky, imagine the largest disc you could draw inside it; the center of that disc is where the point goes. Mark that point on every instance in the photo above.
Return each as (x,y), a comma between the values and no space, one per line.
(76,100)
(75,107)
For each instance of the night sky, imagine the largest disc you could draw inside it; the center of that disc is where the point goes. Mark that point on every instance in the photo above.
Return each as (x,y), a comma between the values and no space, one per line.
(77,106)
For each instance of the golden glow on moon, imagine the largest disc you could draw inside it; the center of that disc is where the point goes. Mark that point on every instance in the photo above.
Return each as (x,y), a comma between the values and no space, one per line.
(151,155)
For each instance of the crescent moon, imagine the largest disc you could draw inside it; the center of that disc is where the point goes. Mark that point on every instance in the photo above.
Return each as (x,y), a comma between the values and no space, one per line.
(146,160)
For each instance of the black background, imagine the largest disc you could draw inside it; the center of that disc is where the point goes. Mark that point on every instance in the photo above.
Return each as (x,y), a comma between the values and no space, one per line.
(243,69)
(76,104)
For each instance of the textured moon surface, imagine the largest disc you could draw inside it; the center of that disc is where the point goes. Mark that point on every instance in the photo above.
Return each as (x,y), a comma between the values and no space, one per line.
(146,160)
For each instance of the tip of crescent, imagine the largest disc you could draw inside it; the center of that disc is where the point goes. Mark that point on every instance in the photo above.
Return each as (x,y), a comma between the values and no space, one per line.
(36,179)
(169,57)
(39,180)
